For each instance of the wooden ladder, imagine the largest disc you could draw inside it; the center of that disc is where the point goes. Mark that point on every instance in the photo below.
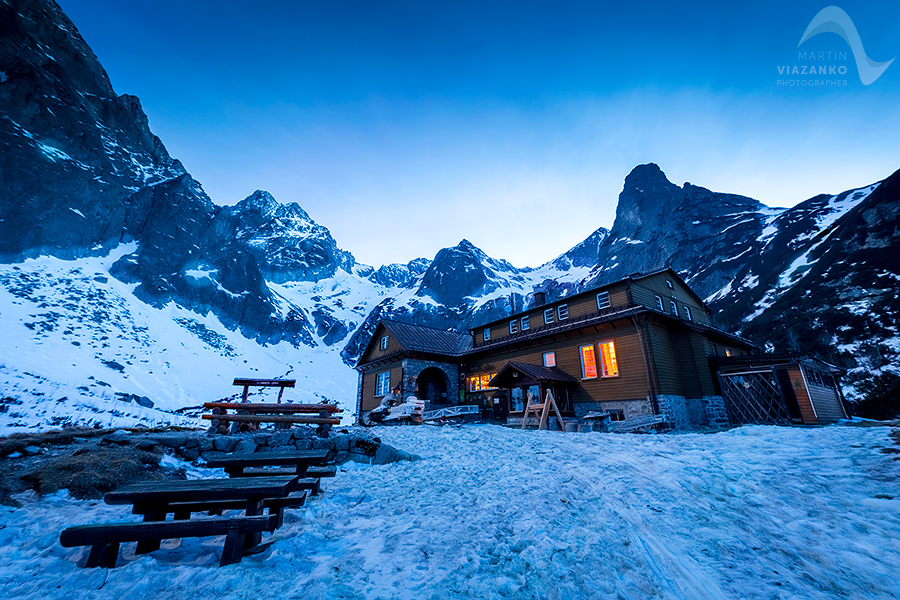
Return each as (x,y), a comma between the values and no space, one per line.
(544,415)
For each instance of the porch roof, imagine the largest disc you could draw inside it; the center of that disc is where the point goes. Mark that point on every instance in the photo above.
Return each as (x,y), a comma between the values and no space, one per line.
(507,375)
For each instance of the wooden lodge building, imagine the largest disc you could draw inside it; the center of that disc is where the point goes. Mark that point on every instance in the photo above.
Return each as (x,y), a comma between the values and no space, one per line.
(638,347)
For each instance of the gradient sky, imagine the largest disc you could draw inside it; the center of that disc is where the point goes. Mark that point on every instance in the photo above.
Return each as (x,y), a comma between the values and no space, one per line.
(404,127)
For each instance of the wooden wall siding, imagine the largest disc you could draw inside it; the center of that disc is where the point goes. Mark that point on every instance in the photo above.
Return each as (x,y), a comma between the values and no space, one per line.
(827,402)
(375,353)
(630,384)
(806,409)
(702,349)
(691,369)
(579,305)
(644,292)
(369,399)
(666,360)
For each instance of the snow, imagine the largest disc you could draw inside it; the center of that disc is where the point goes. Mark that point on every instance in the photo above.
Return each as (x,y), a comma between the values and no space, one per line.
(76,336)
(752,513)
(78,212)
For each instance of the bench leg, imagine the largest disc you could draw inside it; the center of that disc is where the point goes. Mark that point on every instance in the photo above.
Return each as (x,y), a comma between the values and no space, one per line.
(103,554)
(154,514)
(254,507)
(234,548)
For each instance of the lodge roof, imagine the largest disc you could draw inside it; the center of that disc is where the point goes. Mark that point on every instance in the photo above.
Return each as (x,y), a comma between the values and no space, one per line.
(419,338)
(770,360)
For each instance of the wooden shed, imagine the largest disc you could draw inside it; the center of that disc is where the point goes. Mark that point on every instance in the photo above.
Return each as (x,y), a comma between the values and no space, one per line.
(780,389)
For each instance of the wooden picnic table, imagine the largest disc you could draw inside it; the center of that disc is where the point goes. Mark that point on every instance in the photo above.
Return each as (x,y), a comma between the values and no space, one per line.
(237,465)
(248,416)
(154,499)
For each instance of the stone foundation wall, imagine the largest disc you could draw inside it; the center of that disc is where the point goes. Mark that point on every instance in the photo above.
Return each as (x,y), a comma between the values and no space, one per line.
(356,445)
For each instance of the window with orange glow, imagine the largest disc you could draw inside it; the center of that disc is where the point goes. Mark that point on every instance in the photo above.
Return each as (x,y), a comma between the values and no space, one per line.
(481,382)
(588,362)
(608,362)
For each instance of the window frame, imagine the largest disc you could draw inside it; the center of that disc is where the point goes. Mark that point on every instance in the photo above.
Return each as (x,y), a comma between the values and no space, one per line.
(486,334)
(548,311)
(383,377)
(562,308)
(384,342)
(674,306)
(659,303)
(608,301)
(513,326)
(525,324)
(552,354)
(604,370)
(687,313)
(584,370)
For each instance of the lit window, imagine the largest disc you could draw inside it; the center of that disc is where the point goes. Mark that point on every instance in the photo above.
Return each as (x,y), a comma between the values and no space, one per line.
(562,311)
(481,382)
(384,342)
(588,362)
(549,359)
(548,316)
(608,364)
(525,324)
(687,313)
(513,326)
(660,304)
(674,307)
(487,333)
(603,300)
(382,383)
(727,352)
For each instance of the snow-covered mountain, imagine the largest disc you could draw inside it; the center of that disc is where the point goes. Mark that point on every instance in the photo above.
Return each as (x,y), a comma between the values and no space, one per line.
(115,261)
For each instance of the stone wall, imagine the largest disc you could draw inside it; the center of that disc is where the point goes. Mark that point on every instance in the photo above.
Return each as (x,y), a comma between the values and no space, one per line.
(356,445)
(412,368)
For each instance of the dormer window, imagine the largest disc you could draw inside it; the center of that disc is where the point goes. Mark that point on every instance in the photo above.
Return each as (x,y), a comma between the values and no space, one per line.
(603,300)
(525,323)
(487,334)
(384,342)
(513,326)
(548,316)
(562,311)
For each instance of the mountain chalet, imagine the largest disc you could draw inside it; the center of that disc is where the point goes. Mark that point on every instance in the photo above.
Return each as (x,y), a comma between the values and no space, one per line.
(642,349)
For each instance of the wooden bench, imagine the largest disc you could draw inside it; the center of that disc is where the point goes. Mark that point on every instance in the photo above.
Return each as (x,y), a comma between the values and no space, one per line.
(105,539)
(275,506)
(251,415)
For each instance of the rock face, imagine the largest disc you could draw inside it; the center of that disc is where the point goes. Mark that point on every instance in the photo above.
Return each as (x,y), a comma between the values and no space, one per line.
(73,152)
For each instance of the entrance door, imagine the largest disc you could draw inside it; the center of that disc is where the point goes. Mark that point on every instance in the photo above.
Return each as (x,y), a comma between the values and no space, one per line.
(431,386)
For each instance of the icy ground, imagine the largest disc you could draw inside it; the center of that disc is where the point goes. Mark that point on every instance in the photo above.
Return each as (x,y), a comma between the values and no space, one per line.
(754,512)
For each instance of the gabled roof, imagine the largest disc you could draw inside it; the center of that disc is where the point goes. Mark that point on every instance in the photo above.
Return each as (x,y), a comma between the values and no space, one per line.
(674,274)
(419,338)
(507,375)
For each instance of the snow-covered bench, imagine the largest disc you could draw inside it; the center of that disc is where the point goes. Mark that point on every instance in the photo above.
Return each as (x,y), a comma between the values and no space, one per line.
(104,539)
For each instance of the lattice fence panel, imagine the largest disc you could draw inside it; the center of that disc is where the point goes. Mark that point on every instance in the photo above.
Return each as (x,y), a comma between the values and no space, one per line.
(754,398)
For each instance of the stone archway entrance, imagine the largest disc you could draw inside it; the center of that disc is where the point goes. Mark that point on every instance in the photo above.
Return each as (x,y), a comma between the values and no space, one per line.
(431,386)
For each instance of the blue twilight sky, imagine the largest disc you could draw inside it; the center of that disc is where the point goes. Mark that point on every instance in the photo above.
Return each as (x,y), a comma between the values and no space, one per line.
(405,126)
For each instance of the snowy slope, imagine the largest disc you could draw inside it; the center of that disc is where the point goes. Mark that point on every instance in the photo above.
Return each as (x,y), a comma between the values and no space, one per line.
(75,337)
(750,513)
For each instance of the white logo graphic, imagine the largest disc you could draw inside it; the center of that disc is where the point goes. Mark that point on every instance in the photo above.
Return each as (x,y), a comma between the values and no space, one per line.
(834,20)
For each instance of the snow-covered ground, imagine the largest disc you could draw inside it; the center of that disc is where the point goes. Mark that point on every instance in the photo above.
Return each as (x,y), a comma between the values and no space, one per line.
(754,512)
(76,339)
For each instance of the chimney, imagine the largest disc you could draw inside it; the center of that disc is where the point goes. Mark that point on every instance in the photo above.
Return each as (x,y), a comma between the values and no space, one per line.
(538,299)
